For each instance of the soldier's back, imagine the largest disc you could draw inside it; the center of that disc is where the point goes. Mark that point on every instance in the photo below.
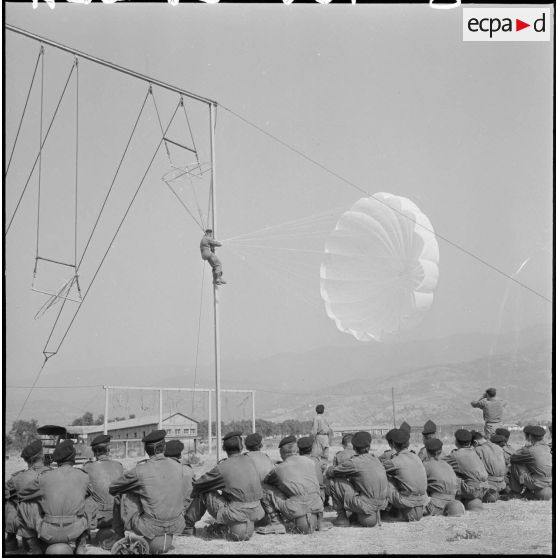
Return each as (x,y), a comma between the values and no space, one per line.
(342,456)
(63,490)
(262,462)
(297,476)
(242,481)
(470,464)
(440,476)
(24,478)
(101,474)
(370,478)
(493,458)
(410,473)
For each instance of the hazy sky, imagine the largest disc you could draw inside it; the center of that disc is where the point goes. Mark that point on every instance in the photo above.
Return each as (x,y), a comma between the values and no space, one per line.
(388,97)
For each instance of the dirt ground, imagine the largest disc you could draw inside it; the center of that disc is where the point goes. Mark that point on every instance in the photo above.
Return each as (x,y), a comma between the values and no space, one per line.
(506,527)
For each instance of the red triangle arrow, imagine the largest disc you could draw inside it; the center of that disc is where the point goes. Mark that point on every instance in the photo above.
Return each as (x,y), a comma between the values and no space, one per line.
(519,25)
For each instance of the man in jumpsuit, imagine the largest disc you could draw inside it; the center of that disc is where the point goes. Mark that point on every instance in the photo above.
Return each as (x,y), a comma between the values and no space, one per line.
(359,485)
(61,494)
(149,499)
(321,433)
(230,492)
(207,248)
(33,456)
(294,489)
(494,461)
(492,411)
(102,472)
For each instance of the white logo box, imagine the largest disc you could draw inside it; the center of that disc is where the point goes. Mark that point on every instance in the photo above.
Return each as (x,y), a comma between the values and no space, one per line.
(501,24)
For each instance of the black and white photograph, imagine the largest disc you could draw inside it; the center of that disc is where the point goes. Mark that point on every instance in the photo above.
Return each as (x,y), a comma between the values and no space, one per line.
(279,277)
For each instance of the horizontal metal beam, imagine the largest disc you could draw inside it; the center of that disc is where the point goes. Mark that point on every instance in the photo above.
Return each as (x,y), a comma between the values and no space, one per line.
(180,145)
(110,65)
(157,388)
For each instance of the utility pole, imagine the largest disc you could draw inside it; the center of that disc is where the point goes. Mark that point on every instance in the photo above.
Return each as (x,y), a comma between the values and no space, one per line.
(393,405)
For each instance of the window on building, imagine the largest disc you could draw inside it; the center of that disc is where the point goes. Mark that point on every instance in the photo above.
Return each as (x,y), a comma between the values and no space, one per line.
(177,431)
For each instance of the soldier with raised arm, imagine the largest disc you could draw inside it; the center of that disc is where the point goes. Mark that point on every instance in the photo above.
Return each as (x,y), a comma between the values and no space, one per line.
(492,411)
(207,249)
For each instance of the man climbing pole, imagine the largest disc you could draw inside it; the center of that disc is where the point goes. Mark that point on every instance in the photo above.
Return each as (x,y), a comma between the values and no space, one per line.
(207,248)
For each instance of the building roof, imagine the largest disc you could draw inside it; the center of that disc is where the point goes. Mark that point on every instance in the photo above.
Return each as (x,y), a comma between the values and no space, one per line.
(147,420)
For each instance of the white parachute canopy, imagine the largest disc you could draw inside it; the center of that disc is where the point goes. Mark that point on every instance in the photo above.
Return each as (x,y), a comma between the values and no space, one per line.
(380,268)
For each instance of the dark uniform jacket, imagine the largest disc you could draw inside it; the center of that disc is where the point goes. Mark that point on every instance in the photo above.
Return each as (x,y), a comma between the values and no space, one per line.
(20,480)
(342,456)
(188,479)
(441,478)
(407,472)
(468,466)
(262,462)
(367,476)
(538,461)
(236,477)
(492,456)
(102,473)
(160,484)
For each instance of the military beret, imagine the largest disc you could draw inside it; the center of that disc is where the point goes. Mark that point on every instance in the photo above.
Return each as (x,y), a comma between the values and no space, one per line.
(405,426)
(253,440)
(476,435)
(64,451)
(498,439)
(173,448)
(320,409)
(429,427)
(32,449)
(433,444)
(463,436)
(361,439)
(154,437)
(100,439)
(400,436)
(305,442)
(287,440)
(534,430)
(232,435)
(503,432)
(389,435)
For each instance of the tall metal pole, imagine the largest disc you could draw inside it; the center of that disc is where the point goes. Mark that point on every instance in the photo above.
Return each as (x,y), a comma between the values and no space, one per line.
(209,421)
(393,406)
(160,409)
(105,429)
(212,109)
(253,411)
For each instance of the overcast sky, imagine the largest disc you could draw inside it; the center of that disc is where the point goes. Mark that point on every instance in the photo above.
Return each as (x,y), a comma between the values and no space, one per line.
(388,97)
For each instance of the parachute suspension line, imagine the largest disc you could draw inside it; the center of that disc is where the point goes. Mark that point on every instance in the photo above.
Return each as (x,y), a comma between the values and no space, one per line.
(77,156)
(198,341)
(40,150)
(110,244)
(40,167)
(161,124)
(114,177)
(32,388)
(200,225)
(191,133)
(39,57)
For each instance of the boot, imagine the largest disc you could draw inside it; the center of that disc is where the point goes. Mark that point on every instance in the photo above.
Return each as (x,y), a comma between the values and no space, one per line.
(81,543)
(34,546)
(11,542)
(322,525)
(275,526)
(341,520)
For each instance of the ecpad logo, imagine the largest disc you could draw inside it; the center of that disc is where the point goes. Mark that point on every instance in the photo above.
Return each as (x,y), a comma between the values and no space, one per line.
(506,24)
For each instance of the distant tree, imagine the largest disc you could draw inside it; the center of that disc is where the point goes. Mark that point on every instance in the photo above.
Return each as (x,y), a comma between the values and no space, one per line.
(23,432)
(131,416)
(8,442)
(100,419)
(85,420)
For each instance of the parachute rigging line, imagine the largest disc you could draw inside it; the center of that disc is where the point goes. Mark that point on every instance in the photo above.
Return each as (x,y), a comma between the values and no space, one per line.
(40,150)
(362,190)
(39,57)
(77,158)
(40,169)
(50,354)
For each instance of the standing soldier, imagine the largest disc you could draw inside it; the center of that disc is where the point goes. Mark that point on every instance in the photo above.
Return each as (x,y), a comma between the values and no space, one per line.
(207,249)
(149,499)
(492,456)
(442,481)
(470,470)
(492,410)
(14,516)
(359,485)
(61,494)
(294,494)
(237,506)
(407,479)
(173,450)
(102,472)
(531,466)
(428,432)
(321,432)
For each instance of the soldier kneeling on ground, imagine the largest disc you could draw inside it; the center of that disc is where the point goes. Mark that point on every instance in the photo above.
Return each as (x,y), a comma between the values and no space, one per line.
(359,485)
(294,493)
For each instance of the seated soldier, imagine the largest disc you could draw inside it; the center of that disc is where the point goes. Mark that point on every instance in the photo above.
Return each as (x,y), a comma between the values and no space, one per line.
(14,518)
(442,481)
(494,462)
(173,450)
(470,470)
(359,485)
(61,494)
(230,492)
(294,490)
(389,453)
(261,460)
(407,479)
(102,472)
(531,466)
(346,453)
(149,498)
(508,450)
(428,432)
